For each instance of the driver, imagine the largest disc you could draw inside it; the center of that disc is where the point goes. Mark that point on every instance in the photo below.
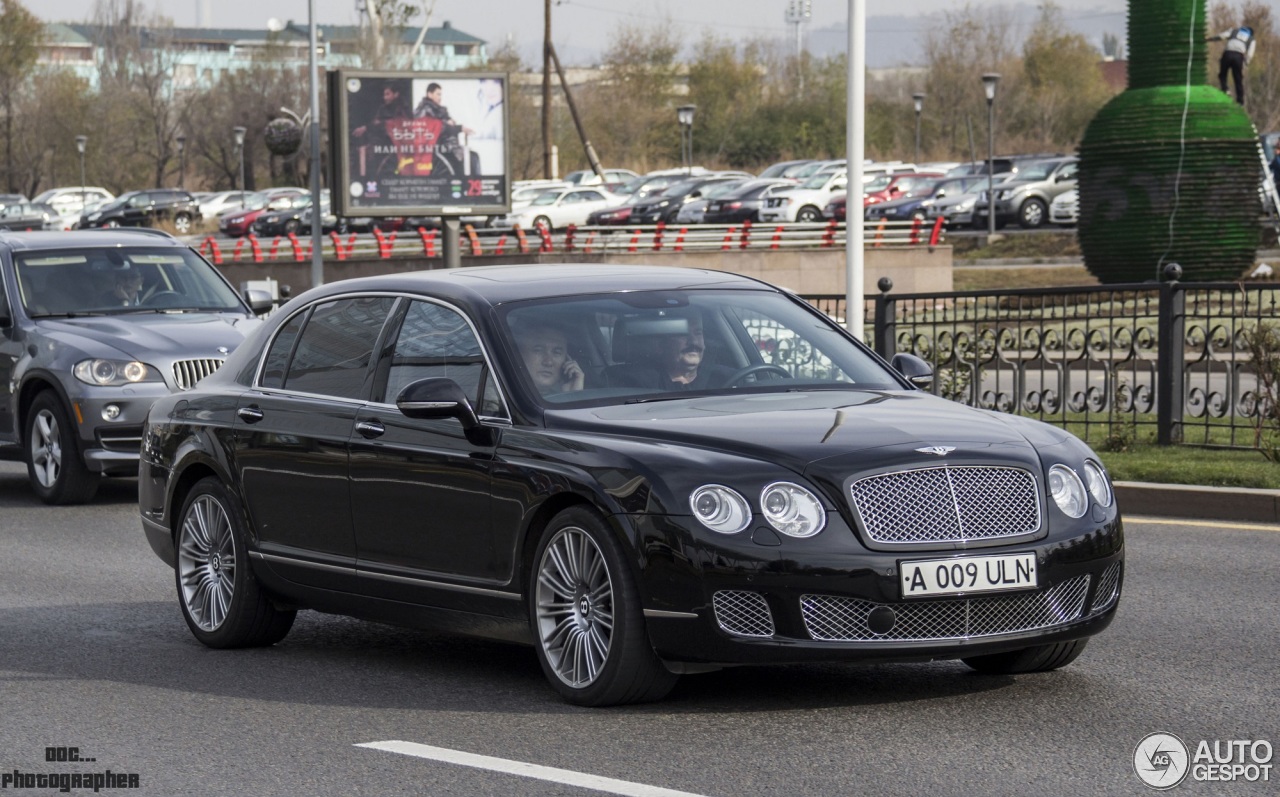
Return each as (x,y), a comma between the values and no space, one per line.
(125,289)
(680,361)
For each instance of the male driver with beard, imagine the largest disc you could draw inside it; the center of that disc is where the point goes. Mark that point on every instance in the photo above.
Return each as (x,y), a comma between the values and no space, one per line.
(679,361)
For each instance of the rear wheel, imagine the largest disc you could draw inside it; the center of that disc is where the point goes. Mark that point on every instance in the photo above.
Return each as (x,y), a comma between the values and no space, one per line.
(542,221)
(220,598)
(54,467)
(291,227)
(586,616)
(1041,658)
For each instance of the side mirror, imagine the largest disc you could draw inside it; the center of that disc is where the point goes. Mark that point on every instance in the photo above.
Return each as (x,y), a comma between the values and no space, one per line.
(917,371)
(438,397)
(259,301)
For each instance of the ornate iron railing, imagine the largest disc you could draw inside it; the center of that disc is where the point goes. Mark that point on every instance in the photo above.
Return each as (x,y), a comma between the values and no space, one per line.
(1166,362)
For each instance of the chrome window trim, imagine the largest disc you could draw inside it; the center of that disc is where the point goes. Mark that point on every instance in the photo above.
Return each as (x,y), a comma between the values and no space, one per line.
(484,351)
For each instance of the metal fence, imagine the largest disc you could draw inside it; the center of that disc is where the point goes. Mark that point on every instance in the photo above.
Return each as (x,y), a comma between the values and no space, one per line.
(638,239)
(1172,362)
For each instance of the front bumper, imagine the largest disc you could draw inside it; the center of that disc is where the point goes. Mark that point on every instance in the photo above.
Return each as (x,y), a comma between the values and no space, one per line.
(744,602)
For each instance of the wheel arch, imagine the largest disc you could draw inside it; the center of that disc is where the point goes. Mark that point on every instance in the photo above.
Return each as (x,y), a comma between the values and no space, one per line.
(547,511)
(32,386)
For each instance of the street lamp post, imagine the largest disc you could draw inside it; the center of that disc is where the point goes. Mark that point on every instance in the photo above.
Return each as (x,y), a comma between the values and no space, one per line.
(989,82)
(238,132)
(684,115)
(181,139)
(919,101)
(80,142)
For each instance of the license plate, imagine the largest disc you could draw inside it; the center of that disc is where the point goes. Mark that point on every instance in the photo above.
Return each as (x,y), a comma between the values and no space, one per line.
(968,574)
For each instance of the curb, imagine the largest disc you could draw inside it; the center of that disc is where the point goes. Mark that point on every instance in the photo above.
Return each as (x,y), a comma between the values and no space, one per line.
(1201,503)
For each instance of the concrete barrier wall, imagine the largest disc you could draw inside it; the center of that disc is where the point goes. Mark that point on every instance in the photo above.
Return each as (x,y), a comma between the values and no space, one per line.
(813,271)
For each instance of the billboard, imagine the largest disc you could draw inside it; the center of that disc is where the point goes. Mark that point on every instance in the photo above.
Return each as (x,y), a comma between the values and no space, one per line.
(418,143)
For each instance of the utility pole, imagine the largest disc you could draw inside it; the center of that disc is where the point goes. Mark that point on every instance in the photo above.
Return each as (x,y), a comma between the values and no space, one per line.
(546,92)
(573,111)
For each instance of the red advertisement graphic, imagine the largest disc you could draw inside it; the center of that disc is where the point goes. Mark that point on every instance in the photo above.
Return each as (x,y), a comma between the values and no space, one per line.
(415,142)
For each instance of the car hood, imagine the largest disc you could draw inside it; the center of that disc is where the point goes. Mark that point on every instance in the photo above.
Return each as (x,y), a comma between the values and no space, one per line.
(153,337)
(821,431)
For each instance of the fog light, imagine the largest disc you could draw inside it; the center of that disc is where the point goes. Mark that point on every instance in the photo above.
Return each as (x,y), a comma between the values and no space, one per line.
(111,412)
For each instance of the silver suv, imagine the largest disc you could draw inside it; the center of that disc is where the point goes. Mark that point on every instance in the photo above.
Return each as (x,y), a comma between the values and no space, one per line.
(1026,196)
(94,327)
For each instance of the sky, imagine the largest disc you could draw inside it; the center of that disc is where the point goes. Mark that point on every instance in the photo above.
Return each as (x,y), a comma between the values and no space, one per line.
(581,28)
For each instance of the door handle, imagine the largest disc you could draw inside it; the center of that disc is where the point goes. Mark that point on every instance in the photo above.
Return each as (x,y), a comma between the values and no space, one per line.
(370,429)
(250,414)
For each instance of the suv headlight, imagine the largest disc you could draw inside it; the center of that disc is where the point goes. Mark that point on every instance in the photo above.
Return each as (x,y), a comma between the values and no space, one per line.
(720,509)
(114,372)
(1067,491)
(792,510)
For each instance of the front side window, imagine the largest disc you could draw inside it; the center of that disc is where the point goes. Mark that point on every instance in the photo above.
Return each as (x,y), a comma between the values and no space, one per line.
(332,355)
(435,341)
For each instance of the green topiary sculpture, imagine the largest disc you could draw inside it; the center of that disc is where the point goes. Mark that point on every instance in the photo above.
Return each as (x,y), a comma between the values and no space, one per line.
(1169,170)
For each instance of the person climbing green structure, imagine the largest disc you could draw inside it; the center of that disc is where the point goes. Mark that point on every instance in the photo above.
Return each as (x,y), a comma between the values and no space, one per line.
(1235,56)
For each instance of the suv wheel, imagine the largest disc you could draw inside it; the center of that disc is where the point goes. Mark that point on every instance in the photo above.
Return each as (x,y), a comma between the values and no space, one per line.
(808,214)
(1032,214)
(54,467)
(182,223)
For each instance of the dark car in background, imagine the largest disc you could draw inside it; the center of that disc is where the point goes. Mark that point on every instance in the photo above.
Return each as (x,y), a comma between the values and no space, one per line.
(636,192)
(744,203)
(666,206)
(236,223)
(917,203)
(30,216)
(145,209)
(412,449)
(80,365)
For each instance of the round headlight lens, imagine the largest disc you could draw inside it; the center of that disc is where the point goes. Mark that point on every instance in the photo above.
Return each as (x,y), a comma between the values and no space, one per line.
(720,509)
(1096,480)
(1067,491)
(102,371)
(792,510)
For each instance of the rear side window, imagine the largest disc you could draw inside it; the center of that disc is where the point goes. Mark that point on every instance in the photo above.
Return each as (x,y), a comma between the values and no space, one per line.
(332,355)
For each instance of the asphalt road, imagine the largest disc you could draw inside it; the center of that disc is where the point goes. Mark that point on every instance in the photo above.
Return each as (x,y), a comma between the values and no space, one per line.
(94,655)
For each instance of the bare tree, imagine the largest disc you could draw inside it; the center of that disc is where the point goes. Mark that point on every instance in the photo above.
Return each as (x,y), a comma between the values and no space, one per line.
(20,33)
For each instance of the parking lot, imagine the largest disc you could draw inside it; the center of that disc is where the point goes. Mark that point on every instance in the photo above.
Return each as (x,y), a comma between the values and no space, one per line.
(95,656)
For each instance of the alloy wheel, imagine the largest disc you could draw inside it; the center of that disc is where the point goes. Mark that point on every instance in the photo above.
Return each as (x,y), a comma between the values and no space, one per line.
(206,563)
(574,607)
(46,449)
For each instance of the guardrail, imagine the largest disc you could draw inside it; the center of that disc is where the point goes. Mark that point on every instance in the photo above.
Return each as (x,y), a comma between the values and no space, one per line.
(1193,363)
(424,242)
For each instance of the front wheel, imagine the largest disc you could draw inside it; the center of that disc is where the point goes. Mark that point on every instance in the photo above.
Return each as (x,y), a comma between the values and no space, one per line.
(220,598)
(1041,658)
(587,619)
(542,221)
(1032,214)
(182,223)
(54,468)
(808,214)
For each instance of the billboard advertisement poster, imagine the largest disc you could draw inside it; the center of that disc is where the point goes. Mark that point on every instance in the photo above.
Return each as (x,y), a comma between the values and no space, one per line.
(419,143)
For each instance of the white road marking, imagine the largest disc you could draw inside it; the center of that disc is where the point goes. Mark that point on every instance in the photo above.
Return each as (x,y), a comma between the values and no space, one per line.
(565,776)
(1212,524)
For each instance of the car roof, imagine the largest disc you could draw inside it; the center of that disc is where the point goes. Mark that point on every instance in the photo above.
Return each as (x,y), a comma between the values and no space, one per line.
(495,285)
(85,239)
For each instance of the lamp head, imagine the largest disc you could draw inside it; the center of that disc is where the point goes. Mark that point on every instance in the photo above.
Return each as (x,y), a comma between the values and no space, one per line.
(989,82)
(918,97)
(181,140)
(684,115)
(238,132)
(80,142)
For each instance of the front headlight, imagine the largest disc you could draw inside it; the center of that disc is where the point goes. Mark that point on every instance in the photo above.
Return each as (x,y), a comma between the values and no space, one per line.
(1067,491)
(720,509)
(114,372)
(792,510)
(1096,480)
(966,205)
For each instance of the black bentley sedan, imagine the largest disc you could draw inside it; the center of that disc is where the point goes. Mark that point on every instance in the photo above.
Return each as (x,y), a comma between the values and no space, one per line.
(642,471)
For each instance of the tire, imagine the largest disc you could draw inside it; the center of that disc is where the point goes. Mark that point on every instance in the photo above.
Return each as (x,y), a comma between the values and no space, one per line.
(291,227)
(54,466)
(111,223)
(544,221)
(1033,214)
(220,597)
(587,621)
(808,214)
(1041,658)
(182,223)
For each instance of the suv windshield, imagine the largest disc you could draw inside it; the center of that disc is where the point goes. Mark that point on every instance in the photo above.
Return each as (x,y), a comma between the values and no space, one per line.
(119,280)
(650,346)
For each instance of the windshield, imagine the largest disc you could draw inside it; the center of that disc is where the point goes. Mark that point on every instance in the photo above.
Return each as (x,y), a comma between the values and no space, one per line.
(650,346)
(126,279)
(1037,170)
(877,183)
(817,181)
(723,189)
(549,198)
